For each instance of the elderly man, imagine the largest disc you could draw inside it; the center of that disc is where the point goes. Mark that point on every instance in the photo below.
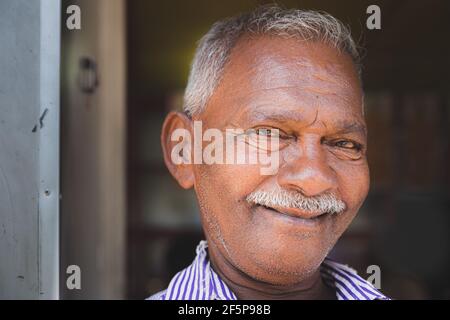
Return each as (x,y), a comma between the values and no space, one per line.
(292,76)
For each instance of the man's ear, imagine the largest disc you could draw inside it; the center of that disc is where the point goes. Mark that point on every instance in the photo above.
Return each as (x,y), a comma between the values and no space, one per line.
(177,148)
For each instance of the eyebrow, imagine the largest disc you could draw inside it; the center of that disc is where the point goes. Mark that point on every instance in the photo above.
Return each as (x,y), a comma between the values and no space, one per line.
(279,116)
(346,126)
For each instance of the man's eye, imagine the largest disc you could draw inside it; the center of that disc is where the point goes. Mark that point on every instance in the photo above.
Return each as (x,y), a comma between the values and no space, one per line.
(345,144)
(266,132)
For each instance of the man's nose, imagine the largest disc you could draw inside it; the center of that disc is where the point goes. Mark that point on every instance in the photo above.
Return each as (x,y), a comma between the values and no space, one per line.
(307,170)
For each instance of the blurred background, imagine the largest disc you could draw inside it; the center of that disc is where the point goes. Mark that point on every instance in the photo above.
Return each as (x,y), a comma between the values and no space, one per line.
(130,227)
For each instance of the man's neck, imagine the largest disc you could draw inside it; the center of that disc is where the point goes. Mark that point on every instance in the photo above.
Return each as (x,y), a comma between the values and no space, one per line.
(247,288)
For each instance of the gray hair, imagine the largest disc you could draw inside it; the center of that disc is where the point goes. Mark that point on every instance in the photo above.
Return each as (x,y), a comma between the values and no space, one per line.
(214,48)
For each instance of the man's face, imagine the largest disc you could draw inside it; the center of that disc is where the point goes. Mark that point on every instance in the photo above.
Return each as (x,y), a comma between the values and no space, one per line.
(311,93)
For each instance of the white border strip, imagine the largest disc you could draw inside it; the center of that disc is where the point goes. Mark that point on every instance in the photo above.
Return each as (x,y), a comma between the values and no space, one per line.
(48,244)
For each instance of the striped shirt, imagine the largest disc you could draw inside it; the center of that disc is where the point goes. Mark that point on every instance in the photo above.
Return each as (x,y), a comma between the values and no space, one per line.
(200,282)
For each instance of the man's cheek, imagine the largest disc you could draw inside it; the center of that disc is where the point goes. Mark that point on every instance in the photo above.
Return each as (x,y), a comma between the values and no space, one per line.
(360,180)
(353,180)
(232,183)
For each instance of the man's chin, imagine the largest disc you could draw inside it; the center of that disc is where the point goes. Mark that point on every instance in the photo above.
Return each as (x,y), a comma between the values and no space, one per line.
(285,267)
(285,275)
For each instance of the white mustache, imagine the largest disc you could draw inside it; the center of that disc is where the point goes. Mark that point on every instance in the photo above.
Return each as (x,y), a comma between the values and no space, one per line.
(327,202)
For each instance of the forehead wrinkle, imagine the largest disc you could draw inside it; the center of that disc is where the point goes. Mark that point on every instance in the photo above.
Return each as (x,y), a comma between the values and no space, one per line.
(317,85)
(326,78)
(316,90)
(287,76)
(300,91)
(325,74)
(349,126)
(279,115)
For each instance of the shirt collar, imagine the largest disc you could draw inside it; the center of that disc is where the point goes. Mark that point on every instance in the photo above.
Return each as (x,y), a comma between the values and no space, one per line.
(200,282)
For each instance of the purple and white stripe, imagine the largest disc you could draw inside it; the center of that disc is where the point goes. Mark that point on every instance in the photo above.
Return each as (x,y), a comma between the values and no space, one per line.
(200,282)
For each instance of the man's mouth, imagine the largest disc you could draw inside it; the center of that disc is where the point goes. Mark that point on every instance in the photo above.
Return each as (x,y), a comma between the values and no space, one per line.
(296,215)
